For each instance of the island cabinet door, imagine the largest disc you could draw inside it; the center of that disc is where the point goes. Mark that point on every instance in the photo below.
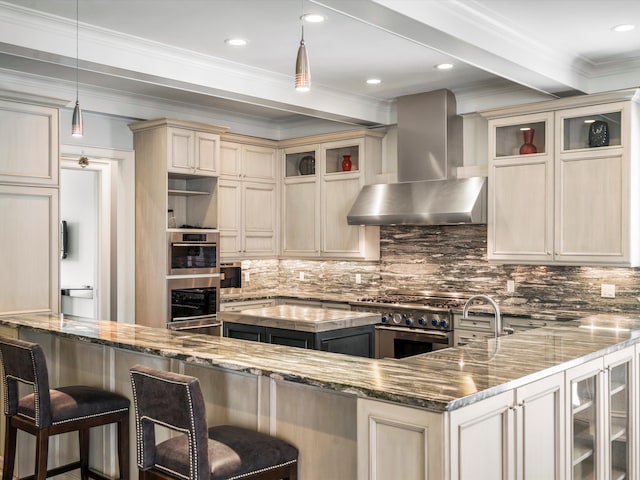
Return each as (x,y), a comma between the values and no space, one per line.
(244,332)
(399,442)
(482,439)
(518,434)
(540,429)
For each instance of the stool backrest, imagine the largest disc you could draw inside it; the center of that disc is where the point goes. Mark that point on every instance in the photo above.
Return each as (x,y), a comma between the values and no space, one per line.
(25,362)
(174,401)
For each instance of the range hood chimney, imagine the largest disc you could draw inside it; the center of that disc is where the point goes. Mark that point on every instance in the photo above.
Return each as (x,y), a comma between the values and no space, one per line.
(429,153)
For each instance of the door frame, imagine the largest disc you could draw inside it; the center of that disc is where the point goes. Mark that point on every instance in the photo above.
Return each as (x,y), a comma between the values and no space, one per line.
(116,263)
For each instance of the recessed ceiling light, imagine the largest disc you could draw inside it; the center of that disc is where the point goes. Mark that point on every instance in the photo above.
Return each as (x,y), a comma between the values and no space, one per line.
(374,81)
(236,42)
(623,28)
(444,66)
(312,18)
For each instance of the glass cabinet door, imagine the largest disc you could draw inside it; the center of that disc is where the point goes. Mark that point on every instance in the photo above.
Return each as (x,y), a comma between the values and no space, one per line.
(524,138)
(299,163)
(584,405)
(591,130)
(618,418)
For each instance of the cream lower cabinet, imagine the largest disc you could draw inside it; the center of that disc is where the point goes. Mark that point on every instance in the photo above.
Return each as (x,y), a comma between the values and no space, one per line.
(248,200)
(516,434)
(396,442)
(601,410)
(571,200)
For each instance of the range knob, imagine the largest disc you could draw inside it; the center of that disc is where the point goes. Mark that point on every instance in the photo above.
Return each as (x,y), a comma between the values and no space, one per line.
(434,322)
(408,320)
(422,321)
(385,318)
(444,323)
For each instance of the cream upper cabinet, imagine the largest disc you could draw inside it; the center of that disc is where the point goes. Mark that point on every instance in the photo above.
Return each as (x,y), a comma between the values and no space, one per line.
(520,214)
(321,182)
(301,202)
(247,190)
(28,144)
(593,208)
(29,177)
(570,200)
(192,152)
(29,249)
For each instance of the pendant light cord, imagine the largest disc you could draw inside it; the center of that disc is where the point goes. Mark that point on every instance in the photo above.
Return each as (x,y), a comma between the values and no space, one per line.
(77,49)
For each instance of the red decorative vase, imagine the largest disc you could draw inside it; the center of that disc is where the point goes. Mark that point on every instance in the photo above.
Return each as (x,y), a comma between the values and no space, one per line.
(346,163)
(528,146)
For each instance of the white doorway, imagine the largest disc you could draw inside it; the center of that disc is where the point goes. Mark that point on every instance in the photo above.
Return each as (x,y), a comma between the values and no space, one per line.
(98,203)
(83,283)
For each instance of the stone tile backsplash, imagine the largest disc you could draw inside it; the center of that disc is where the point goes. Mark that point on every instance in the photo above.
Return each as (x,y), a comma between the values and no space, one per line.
(448,258)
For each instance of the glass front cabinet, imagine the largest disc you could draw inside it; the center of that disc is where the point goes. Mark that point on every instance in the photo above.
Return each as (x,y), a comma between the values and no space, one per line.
(600,396)
(563,182)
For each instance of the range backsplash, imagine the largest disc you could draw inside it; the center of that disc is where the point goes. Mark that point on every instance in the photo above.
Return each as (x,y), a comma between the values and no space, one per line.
(449,258)
(454,258)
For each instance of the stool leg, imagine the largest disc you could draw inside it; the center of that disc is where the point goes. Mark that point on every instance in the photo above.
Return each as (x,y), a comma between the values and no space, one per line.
(10,436)
(123,447)
(42,453)
(83,441)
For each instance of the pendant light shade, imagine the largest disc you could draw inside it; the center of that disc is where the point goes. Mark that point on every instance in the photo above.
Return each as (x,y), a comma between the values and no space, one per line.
(76,121)
(303,72)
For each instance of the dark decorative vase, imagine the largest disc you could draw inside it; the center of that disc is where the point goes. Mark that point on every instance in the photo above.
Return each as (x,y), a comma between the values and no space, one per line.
(346,163)
(528,146)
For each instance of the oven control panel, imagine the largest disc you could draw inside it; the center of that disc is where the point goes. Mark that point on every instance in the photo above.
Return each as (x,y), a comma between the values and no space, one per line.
(414,318)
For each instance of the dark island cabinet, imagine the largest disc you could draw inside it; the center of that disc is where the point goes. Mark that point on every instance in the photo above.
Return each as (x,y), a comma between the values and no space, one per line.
(357,341)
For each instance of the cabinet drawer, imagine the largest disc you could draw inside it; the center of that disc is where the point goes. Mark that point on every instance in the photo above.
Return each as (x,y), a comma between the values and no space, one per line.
(484,323)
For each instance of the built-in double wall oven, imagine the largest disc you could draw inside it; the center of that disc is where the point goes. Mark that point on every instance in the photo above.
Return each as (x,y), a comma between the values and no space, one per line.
(193,282)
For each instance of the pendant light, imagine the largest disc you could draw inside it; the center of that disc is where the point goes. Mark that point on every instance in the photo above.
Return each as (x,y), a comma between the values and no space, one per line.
(76,121)
(303,72)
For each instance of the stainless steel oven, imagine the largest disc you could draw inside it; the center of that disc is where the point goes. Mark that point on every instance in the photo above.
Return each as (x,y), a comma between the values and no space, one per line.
(192,253)
(194,303)
(401,342)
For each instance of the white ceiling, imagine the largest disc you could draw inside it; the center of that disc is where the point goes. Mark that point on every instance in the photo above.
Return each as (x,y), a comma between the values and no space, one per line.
(175,49)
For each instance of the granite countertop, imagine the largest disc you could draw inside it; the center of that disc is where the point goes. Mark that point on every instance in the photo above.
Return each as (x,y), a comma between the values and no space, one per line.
(300,318)
(439,381)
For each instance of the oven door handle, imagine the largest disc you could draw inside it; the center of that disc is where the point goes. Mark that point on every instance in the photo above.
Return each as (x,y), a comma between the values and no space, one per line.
(193,244)
(427,333)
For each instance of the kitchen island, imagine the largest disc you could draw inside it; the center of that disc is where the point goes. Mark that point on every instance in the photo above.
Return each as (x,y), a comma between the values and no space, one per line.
(342,412)
(326,329)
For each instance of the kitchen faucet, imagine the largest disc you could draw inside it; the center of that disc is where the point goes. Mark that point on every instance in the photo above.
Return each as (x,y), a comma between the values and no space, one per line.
(494,305)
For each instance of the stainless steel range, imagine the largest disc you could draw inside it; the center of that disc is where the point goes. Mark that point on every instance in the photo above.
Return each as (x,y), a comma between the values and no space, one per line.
(412,322)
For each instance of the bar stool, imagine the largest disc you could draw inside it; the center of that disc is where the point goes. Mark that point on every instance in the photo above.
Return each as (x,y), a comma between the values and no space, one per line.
(47,412)
(220,453)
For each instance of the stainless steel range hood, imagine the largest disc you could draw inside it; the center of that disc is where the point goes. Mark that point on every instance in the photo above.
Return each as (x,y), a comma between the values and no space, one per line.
(429,152)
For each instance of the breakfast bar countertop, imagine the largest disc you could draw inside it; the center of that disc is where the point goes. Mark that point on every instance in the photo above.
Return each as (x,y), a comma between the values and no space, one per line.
(301,318)
(439,381)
